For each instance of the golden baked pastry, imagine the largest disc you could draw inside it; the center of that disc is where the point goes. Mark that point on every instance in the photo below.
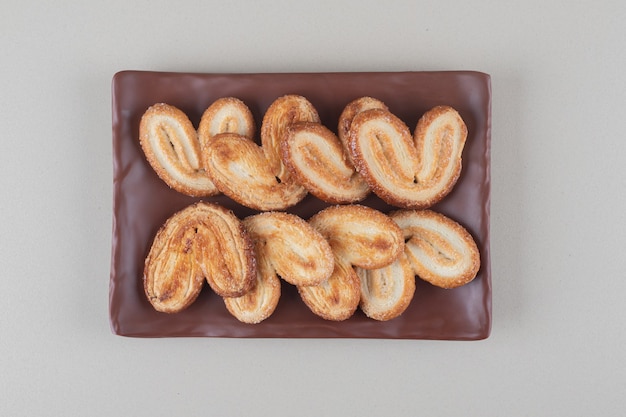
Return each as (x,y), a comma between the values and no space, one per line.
(298,252)
(440,250)
(338,297)
(404,171)
(347,115)
(255,176)
(285,246)
(387,292)
(260,302)
(172,148)
(318,161)
(202,241)
(281,114)
(359,236)
(226,115)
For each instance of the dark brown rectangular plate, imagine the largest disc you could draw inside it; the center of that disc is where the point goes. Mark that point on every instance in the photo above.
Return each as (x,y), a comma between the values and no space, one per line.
(142,202)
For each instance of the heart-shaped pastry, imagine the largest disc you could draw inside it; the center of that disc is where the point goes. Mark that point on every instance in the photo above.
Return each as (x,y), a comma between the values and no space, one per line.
(387,292)
(285,246)
(318,161)
(347,116)
(172,148)
(202,241)
(226,115)
(440,250)
(359,236)
(405,171)
(437,249)
(253,175)
(259,303)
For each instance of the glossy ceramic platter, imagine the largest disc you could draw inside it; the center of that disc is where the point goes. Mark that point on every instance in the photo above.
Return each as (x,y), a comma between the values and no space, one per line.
(142,202)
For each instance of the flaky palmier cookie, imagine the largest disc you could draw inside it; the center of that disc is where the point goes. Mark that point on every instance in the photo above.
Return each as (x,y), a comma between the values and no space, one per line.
(285,246)
(172,148)
(349,112)
(260,302)
(359,236)
(387,292)
(440,250)
(202,241)
(226,115)
(318,161)
(255,176)
(408,172)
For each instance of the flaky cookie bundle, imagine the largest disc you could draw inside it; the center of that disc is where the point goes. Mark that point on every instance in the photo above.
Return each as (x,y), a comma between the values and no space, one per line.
(373,150)
(343,257)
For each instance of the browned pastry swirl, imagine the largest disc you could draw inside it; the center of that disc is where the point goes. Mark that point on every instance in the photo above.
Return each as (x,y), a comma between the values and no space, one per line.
(359,236)
(408,172)
(347,116)
(259,303)
(387,292)
(202,241)
(172,148)
(255,176)
(285,246)
(281,114)
(319,162)
(226,115)
(440,250)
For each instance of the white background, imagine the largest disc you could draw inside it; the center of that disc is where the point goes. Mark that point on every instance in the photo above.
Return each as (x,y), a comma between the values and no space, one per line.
(558,210)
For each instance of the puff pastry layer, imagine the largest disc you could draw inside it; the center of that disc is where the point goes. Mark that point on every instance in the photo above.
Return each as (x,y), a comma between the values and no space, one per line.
(285,246)
(349,112)
(358,236)
(226,115)
(387,292)
(440,250)
(172,148)
(260,302)
(202,241)
(255,176)
(405,171)
(318,161)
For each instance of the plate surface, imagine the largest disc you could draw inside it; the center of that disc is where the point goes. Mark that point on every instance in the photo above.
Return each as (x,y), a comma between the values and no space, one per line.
(142,202)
